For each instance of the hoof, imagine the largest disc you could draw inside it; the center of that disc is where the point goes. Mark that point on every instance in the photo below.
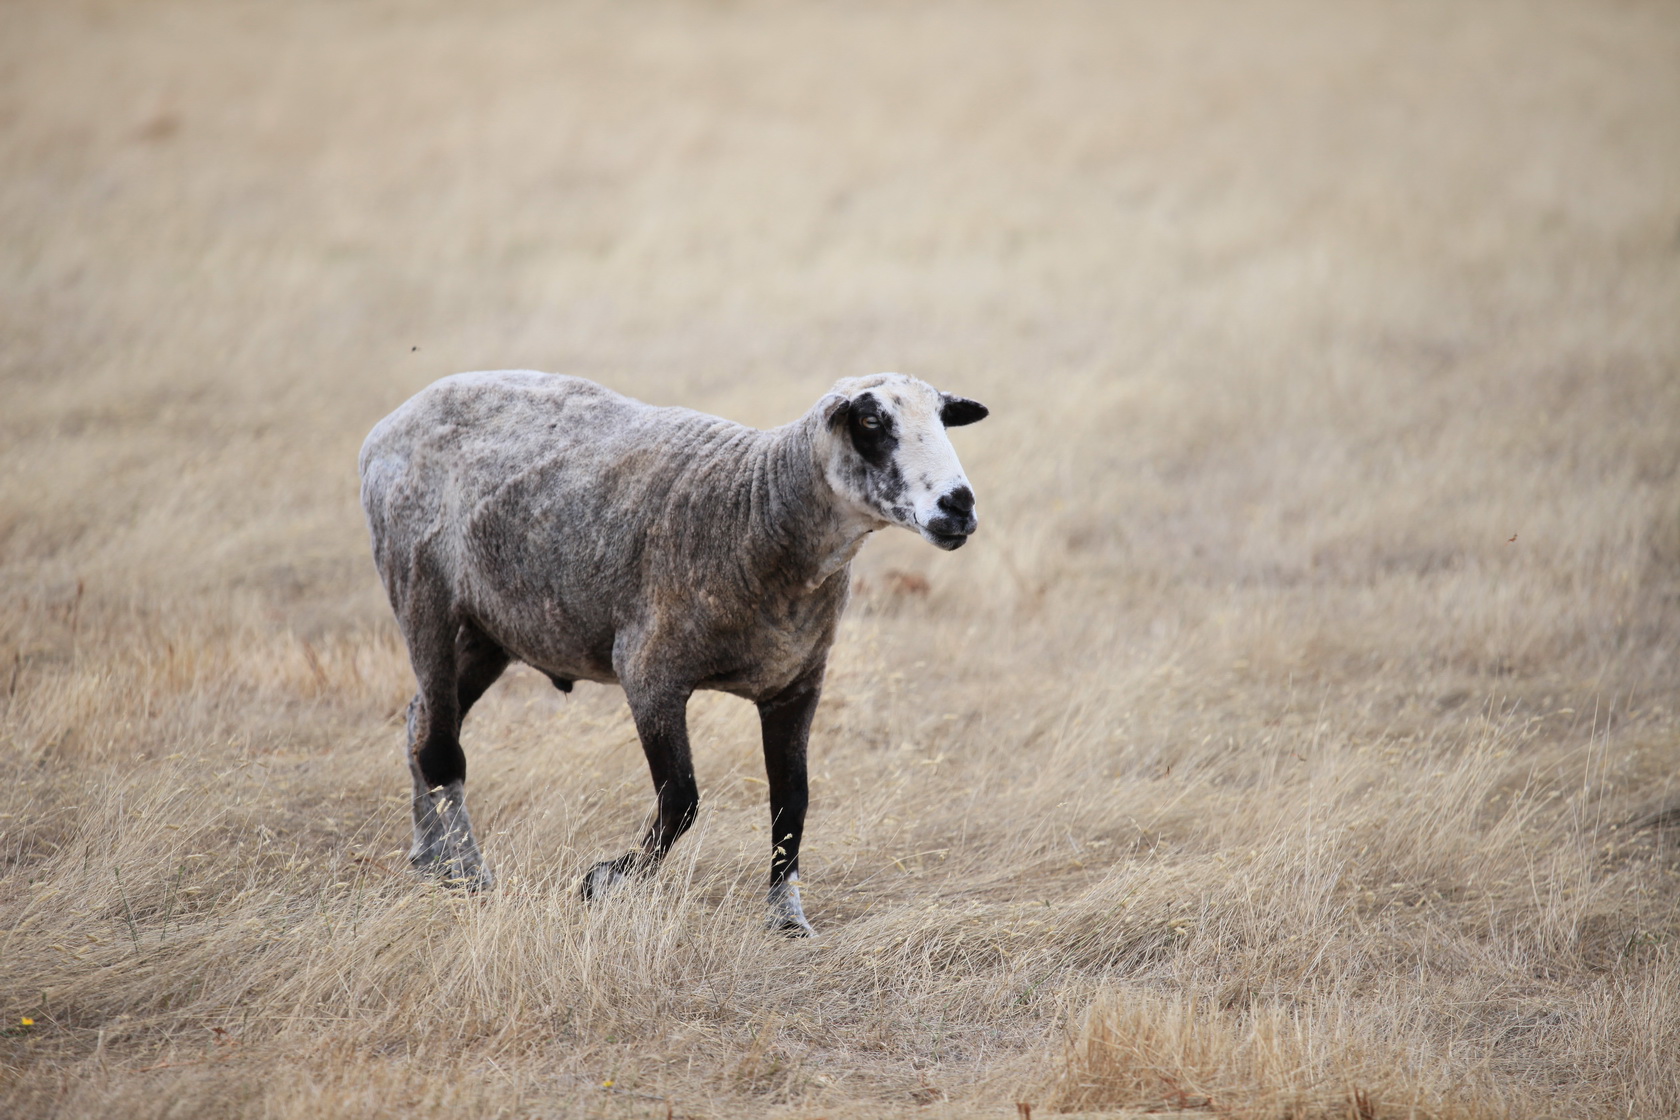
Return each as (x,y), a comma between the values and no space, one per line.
(601,880)
(789,927)
(454,873)
(787,915)
(473,881)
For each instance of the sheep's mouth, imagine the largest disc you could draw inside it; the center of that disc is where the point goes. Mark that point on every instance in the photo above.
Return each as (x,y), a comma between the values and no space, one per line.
(950,542)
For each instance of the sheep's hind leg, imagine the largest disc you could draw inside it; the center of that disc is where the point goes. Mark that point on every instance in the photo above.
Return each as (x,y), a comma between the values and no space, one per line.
(662,723)
(452,679)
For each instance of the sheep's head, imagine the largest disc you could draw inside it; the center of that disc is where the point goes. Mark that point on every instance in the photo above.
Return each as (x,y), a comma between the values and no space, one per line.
(889,454)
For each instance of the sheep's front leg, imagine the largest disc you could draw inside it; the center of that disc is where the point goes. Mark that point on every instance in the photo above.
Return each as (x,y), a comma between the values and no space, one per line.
(786,724)
(662,722)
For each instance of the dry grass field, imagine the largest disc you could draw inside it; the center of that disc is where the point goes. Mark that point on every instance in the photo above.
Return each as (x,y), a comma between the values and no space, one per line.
(1299,737)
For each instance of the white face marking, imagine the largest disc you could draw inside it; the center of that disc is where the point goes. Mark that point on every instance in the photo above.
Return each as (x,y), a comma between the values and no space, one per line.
(926,459)
(916,466)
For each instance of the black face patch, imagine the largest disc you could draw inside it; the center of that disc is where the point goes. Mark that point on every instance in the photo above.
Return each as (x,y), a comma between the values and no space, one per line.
(874,436)
(873,432)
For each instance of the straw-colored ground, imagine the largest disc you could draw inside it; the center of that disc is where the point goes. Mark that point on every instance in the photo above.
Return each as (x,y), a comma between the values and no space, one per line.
(1298,737)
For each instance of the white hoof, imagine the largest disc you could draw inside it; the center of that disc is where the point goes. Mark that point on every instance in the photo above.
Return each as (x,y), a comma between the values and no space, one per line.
(601,880)
(786,914)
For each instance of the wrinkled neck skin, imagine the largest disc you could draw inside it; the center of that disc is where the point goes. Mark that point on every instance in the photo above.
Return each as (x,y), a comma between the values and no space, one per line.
(811,527)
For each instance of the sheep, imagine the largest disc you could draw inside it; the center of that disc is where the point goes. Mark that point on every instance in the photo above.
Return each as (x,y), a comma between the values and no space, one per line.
(519,515)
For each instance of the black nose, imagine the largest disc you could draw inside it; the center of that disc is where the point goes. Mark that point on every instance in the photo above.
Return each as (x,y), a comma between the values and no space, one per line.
(958,501)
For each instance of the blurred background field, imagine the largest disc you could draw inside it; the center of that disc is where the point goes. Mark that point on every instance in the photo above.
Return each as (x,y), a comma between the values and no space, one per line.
(1298,737)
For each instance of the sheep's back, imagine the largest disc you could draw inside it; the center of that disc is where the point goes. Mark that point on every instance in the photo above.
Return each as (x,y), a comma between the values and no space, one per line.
(534,498)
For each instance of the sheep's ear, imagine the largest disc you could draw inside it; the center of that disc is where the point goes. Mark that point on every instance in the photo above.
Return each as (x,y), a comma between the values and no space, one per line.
(957,411)
(835,408)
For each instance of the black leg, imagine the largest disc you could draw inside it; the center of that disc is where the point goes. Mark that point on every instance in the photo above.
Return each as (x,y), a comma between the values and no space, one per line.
(786,723)
(478,663)
(435,735)
(662,722)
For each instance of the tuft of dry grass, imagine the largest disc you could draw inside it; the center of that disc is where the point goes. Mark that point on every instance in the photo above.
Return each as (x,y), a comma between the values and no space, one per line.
(1297,738)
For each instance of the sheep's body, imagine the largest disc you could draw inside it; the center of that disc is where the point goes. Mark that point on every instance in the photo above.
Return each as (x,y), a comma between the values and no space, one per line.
(577,527)
(529,516)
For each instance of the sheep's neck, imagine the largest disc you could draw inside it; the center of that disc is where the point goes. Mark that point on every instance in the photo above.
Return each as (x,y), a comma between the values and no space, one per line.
(812,534)
(837,559)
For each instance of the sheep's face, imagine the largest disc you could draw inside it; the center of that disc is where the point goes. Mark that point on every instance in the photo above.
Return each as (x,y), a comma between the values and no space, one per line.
(891,457)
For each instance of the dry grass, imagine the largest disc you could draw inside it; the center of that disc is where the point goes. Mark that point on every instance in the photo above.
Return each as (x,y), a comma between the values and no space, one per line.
(1297,738)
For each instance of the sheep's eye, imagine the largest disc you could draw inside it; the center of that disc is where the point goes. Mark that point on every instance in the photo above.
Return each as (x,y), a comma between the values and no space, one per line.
(870,422)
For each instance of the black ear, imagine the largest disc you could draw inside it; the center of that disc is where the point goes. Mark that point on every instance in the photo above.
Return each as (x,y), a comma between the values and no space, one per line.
(957,411)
